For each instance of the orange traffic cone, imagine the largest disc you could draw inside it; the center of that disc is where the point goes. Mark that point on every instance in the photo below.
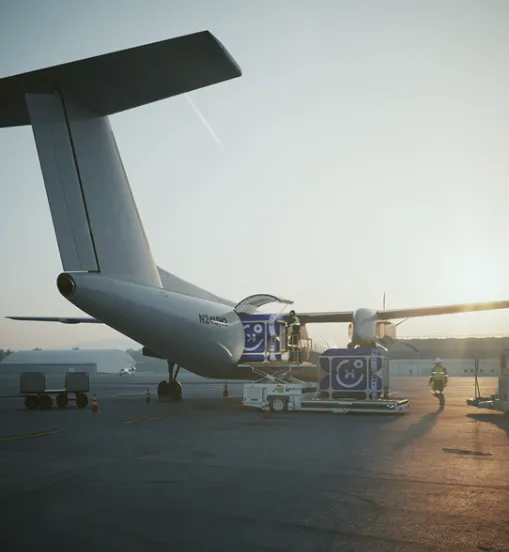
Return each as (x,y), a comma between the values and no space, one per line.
(147,396)
(95,406)
(225,390)
(266,411)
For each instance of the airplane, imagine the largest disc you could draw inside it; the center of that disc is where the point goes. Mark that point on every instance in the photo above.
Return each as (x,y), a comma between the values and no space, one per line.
(108,269)
(127,371)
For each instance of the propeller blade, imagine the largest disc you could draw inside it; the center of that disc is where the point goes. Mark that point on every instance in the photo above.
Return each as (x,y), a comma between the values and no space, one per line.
(401,322)
(408,345)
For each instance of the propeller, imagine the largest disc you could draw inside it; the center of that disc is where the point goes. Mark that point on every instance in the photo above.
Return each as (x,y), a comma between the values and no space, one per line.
(408,345)
(396,325)
(403,342)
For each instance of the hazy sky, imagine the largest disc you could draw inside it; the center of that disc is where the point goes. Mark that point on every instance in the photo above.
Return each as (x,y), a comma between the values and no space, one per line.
(378,132)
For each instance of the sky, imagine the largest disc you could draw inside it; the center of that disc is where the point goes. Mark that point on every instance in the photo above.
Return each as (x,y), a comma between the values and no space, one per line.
(363,151)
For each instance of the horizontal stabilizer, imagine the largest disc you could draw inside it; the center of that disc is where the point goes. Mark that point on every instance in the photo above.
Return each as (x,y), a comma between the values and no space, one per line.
(62,319)
(126,79)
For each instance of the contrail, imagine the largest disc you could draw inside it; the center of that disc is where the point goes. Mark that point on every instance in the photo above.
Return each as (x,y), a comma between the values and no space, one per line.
(203,120)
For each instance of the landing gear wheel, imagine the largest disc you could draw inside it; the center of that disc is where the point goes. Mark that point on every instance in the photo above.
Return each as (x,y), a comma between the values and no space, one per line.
(278,404)
(32,402)
(62,400)
(175,390)
(163,389)
(45,402)
(81,400)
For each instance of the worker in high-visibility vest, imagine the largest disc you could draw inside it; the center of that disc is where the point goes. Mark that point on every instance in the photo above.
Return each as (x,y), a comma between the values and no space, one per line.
(439,377)
(294,324)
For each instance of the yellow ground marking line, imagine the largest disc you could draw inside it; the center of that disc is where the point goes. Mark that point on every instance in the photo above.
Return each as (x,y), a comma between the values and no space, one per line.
(29,436)
(176,414)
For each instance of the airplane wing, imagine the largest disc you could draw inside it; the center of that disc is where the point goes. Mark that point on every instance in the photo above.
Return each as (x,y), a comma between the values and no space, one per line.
(388,314)
(327,317)
(446,309)
(62,319)
(316,317)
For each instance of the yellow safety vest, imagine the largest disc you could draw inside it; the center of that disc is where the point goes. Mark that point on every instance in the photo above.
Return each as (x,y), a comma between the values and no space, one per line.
(438,373)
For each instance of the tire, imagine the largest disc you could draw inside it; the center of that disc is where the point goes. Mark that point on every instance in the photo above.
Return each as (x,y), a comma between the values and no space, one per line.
(45,402)
(31,402)
(170,390)
(81,400)
(163,389)
(62,400)
(175,390)
(278,404)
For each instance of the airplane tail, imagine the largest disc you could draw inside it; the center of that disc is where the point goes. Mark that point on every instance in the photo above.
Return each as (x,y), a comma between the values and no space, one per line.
(96,221)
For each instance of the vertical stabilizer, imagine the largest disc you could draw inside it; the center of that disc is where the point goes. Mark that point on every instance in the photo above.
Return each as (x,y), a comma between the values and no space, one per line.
(95,217)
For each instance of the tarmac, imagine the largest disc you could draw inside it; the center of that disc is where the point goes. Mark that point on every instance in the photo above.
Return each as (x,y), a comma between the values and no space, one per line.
(207,474)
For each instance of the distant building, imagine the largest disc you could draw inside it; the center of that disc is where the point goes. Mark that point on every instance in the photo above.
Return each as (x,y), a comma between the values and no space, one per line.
(60,361)
(459,355)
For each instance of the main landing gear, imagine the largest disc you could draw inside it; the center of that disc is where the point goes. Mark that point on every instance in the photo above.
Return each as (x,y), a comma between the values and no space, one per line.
(170,389)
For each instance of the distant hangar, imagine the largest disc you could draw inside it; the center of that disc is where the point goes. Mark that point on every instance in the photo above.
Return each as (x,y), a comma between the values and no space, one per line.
(93,361)
(459,354)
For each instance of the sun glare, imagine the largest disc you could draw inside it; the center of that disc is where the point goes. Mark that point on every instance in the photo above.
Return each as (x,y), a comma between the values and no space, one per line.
(479,281)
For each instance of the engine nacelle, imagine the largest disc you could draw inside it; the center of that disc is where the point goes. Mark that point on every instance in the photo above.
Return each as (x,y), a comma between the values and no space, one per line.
(362,331)
(386,331)
(367,330)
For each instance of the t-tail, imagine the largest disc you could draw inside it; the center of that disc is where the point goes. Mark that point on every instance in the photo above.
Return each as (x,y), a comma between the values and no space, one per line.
(96,221)
(109,272)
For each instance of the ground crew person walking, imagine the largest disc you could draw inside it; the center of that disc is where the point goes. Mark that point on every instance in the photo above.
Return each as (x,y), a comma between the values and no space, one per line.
(294,324)
(439,379)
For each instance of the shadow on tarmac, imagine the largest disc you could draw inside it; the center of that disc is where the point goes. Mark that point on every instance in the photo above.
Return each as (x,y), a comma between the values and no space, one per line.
(419,429)
(495,418)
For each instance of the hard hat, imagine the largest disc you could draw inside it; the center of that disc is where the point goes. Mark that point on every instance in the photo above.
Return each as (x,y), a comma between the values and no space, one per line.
(438,361)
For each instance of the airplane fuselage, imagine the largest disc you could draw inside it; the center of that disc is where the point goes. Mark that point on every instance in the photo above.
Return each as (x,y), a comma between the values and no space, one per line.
(205,337)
